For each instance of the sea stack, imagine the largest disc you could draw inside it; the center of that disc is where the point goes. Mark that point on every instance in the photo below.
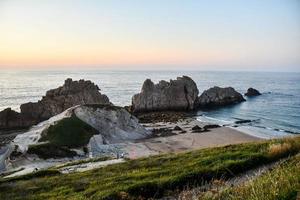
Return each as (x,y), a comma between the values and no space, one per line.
(177,95)
(57,100)
(252,92)
(217,96)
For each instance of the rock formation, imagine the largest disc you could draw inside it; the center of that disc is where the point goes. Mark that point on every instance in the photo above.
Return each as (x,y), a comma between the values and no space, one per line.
(180,94)
(56,101)
(112,125)
(218,96)
(11,120)
(115,124)
(252,92)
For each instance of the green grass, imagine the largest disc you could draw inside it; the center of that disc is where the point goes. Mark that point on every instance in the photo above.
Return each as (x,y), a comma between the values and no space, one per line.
(69,132)
(149,177)
(283,182)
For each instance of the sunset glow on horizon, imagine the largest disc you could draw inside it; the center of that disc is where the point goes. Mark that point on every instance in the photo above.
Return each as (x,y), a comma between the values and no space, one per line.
(217,35)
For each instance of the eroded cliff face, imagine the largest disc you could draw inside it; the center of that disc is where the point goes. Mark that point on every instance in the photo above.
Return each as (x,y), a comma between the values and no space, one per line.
(217,96)
(55,101)
(180,94)
(114,124)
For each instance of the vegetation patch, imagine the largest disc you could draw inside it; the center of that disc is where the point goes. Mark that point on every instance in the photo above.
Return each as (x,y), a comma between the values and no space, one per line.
(283,182)
(48,150)
(41,173)
(150,177)
(69,132)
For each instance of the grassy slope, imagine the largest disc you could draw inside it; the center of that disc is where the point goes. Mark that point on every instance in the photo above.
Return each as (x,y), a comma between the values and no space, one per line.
(151,176)
(283,182)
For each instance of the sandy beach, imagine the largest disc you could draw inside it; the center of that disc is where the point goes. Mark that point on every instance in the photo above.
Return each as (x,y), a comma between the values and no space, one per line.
(168,140)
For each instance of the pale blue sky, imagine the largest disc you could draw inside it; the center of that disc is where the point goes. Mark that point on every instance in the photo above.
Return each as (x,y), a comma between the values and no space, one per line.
(140,34)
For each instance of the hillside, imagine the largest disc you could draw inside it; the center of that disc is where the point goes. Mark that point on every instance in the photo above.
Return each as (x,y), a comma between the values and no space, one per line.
(154,176)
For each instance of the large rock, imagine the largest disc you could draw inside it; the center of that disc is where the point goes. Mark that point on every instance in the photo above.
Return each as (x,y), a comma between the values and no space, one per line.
(115,124)
(217,96)
(10,119)
(252,92)
(180,94)
(112,125)
(56,101)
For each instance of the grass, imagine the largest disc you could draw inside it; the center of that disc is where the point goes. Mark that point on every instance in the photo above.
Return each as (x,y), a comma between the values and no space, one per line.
(282,183)
(69,132)
(149,177)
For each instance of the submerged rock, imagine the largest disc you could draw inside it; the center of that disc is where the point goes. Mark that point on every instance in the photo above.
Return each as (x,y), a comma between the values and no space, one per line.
(218,96)
(180,94)
(57,100)
(252,92)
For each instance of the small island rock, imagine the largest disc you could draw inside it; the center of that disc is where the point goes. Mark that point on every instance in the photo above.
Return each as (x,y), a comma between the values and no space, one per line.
(252,92)
(217,96)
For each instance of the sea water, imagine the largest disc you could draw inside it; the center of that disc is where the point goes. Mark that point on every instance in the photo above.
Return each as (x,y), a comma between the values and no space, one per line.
(275,113)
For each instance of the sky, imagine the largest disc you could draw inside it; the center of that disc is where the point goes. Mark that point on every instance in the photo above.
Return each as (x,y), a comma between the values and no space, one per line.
(256,35)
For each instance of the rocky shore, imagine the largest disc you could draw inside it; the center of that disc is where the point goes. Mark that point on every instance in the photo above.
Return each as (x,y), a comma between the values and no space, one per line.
(76,121)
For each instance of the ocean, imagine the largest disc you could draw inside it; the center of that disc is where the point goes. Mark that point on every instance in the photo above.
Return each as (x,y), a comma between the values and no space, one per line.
(275,113)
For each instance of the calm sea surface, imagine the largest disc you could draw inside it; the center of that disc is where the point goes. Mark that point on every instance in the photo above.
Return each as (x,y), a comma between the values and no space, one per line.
(277,110)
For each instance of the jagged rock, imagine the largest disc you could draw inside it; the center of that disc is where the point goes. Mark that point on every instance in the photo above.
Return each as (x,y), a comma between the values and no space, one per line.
(196,128)
(218,96)
(252,92)
(56,101)
(10,119)
(180,94)
(177,128)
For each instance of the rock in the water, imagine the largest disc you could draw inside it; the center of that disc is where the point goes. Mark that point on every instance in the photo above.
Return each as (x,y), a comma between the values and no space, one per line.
(115,124)
(218,96)
(252,92)
(180,94)
(210,126)
(243,121)
(57,100)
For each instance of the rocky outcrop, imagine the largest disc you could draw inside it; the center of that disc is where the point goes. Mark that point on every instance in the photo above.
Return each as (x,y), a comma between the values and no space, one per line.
(218,96)
(56,101)
(115,124)
(109,125)
(252,92)
(180,94)
(10,119)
